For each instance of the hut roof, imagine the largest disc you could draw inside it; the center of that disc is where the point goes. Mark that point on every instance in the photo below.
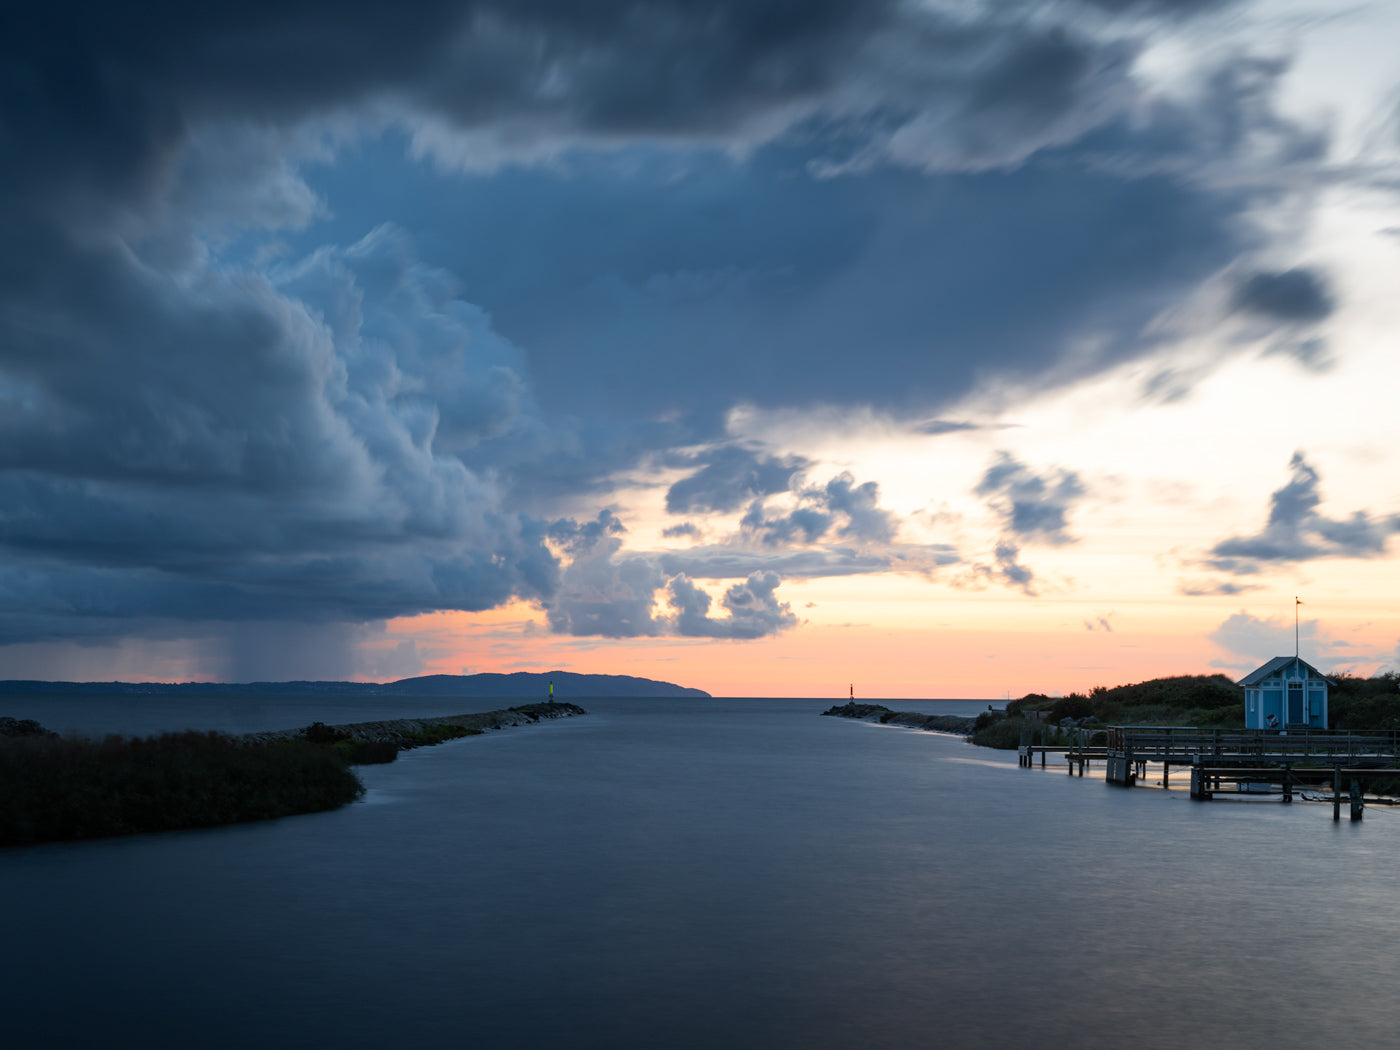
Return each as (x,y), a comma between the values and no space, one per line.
(1277,664)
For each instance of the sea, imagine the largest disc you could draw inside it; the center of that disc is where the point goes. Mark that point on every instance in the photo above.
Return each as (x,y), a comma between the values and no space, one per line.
(725,873)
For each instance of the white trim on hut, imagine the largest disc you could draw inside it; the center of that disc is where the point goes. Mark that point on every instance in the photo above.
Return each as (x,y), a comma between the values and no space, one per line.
(1286,693)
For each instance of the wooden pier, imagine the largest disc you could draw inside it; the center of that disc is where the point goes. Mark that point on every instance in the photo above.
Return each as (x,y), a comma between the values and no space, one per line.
(1254,761)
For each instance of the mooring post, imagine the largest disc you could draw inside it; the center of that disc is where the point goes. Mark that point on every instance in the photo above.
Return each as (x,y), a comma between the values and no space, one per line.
(1336,792)
(1358,801)
(1200,779)
(1166,774)
(1287,782)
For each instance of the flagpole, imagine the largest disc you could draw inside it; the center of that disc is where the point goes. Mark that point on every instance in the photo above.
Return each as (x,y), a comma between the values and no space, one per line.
(1297,649)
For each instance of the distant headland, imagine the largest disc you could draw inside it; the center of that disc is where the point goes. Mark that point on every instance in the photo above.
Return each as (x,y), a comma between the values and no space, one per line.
(567,685)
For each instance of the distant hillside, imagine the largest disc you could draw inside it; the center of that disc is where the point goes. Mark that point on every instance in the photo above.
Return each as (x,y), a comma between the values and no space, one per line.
(567,686)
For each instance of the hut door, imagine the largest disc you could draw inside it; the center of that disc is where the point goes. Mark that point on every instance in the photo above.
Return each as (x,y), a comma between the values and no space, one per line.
(1295,703)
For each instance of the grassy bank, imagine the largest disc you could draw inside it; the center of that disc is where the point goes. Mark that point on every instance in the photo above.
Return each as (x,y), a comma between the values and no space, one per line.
(1204,701)
(62,788)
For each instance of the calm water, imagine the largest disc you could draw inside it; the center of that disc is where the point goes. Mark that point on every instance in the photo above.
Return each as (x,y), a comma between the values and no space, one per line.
(713,874)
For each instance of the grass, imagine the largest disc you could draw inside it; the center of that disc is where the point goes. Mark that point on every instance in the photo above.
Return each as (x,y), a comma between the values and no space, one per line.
(61,788)
(1204,701)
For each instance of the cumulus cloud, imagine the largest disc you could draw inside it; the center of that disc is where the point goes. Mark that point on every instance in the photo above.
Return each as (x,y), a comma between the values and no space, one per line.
(256,447)
(1031,506)
(606,593)
(1256,639)
(728,477)
(841,507)
(1005,569)
(598,595)
(1296,531)
(752,606)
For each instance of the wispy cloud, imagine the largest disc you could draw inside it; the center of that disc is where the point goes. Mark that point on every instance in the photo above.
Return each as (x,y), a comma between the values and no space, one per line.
(1296,531)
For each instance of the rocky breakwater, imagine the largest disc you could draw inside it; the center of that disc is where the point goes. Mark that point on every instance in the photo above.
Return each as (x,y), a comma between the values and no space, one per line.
(909,719)
(404,733)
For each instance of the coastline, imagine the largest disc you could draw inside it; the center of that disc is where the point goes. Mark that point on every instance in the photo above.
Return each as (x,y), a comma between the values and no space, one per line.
(73,788)
(406,733)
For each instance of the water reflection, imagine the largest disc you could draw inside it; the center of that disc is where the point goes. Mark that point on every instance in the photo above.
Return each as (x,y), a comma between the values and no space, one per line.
(714,874)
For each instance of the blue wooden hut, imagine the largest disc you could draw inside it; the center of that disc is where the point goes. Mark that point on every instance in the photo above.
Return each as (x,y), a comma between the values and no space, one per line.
(1286,693)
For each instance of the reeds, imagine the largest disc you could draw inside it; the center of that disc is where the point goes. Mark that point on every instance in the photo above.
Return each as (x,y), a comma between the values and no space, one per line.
(70,788)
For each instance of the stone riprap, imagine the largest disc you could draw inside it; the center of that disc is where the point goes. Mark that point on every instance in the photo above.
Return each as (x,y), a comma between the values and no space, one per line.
(908,719)
(408,732)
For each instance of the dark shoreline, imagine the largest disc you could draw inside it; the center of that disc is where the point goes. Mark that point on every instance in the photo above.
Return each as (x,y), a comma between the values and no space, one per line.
(59,789)
(407,733)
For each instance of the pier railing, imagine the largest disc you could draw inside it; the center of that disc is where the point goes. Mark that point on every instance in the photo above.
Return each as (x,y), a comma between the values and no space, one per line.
(1180,744)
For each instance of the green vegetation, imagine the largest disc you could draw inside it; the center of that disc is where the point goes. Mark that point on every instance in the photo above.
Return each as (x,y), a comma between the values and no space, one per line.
(60,788)
(1205,701)
(1365,705)
(437,734)
(56,788)
(359,752)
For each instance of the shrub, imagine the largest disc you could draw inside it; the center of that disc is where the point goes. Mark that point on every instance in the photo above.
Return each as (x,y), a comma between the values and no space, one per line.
(365,752)
(74,788)
(1075,705)
(987,718)
(1007,734)
(437,734)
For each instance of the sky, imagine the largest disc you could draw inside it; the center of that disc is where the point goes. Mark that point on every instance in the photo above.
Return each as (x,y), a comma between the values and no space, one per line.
(773,348)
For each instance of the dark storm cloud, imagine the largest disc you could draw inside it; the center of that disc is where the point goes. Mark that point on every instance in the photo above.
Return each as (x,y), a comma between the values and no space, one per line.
(730,476)
(766,287)
(231,452)
(191,433)
(106,90)
(1296,531)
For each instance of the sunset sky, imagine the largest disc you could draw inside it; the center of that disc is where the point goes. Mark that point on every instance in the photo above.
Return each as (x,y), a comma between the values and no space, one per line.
(767,347)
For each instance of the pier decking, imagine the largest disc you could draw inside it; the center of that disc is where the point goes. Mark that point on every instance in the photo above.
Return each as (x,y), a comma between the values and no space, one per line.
(1239,761)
